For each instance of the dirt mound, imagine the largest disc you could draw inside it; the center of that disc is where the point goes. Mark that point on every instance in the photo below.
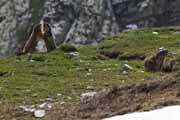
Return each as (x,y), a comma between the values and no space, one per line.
(120,100)
(133,56)
(106,55)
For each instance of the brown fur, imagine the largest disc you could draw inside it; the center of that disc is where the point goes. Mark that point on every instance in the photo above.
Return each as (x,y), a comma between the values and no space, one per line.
(36,34)
(155,63)
(170,66)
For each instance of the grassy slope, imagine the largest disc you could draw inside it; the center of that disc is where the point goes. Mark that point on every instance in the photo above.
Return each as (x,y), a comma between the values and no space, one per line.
(27,83)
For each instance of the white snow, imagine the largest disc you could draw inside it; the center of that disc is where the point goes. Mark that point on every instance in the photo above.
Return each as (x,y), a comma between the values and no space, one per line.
(166,113)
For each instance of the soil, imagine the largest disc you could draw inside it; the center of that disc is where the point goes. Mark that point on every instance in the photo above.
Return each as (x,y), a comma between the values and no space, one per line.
(108,55)
(125,99)
(134,56)
(119,55)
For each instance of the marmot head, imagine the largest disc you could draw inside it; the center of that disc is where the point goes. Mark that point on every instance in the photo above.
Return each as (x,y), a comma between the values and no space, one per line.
(162,52)
(44,27)
(41,29)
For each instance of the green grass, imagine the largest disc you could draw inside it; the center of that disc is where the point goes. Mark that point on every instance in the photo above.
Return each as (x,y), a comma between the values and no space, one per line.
(24,82)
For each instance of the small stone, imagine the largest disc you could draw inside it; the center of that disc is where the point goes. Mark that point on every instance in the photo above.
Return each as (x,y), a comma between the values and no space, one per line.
(69,98)
(32,60)
(141,71)
(28,90)
(39,113)
(81,61)
(35,95)
(90,88)
(49,99)
(123,81)
(49,106)
(46,106)
(88,74)
(43,105)
(124,72)
(89,70)
(109,69)
(91,80)
(27,108)
(127,67)
(155,33)
(71,55)
(59,94)
(87,95)
(126,62)
(143,79)
(62,103)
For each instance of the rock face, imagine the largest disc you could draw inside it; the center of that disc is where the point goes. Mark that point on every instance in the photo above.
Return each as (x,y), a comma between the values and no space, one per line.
(81,21)
(14,17)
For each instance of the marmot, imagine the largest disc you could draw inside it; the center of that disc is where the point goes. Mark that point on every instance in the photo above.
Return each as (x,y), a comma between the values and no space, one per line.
(155,63)
(41,39)
(170,66)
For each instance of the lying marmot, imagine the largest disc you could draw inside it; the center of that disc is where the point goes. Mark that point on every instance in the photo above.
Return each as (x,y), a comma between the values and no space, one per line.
(155,63)
(41,39)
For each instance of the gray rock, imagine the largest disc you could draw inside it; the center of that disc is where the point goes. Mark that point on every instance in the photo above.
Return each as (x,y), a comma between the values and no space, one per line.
(14,16)
(39,113)
(126,67)
(27,108)
(71,55)
(87,96)
(81,21)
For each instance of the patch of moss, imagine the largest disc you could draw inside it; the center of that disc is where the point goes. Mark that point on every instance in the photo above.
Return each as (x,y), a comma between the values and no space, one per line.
(68,48)
(40,58)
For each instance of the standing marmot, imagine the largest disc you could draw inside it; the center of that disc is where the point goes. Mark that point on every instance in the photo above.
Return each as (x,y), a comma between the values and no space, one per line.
(41,39)
(155,63)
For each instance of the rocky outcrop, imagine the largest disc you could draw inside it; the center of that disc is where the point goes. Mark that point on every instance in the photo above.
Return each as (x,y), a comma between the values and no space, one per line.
(82,21)
(14,17)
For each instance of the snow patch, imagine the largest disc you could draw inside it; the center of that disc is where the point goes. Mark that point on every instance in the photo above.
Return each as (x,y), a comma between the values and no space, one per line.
(166,113)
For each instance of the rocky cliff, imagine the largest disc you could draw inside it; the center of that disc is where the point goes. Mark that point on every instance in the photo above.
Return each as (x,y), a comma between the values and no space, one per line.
(81,21)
